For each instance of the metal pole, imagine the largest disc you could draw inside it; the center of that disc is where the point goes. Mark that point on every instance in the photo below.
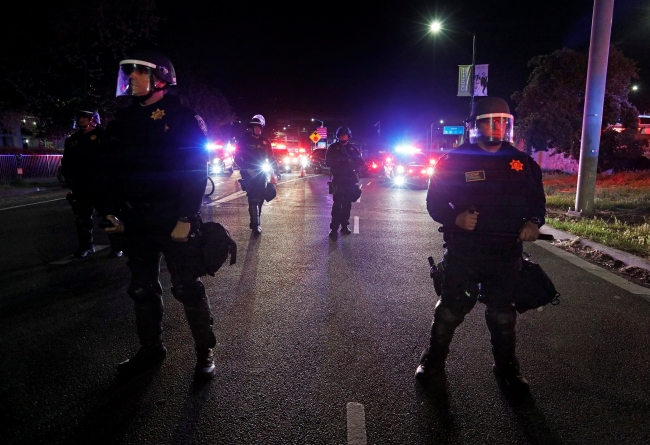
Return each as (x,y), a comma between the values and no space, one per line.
(601,28)
(471,103)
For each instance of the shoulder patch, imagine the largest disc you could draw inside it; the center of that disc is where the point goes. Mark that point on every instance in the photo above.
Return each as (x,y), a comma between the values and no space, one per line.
(204,128)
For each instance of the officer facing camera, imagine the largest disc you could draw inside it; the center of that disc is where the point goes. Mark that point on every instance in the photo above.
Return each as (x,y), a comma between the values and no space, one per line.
(489,197)
(344,161)
(81,166)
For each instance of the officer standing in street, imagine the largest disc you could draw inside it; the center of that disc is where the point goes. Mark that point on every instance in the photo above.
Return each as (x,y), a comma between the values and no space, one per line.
(81,166)
(256,162)
(489,197)
(344,161)
(158,178)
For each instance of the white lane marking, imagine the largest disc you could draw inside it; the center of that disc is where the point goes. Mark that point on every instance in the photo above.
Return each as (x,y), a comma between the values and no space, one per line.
(70,258)
(369,183)
(32,204)
(356,225)
(356,418)
(241,193)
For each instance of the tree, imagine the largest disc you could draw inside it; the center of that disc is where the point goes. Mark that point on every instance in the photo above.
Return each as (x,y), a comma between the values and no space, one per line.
(197,94)
(551,106)
(69,54)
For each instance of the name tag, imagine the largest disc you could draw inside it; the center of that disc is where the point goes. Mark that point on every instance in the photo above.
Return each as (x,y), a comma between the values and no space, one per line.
(475,176)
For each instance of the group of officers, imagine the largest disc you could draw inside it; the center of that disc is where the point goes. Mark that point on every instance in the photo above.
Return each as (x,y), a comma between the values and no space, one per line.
(487,195)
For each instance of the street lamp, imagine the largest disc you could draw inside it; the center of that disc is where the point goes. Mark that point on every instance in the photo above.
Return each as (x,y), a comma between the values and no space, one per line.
(322,124)
(436,27)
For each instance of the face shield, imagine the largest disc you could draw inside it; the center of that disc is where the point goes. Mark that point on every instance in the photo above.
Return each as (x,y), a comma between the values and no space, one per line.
(140,84)
(492,127)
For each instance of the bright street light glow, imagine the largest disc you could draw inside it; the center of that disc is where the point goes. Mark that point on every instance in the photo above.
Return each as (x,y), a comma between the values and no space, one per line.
(635,87)
(436,26)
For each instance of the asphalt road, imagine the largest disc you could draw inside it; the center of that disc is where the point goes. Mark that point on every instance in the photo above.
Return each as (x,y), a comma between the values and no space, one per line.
(318,340)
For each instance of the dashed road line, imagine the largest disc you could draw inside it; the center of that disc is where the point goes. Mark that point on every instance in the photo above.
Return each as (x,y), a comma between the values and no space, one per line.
(356,418)
(356,225)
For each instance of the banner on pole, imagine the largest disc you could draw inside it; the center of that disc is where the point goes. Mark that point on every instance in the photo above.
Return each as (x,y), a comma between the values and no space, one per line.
(480,80)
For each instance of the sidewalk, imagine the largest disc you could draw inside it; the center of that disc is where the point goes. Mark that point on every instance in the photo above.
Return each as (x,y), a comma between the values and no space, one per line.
(30,185)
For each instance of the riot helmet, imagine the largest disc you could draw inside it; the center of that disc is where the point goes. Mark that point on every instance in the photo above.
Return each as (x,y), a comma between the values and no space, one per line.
(149,62)
(258,120)
(491,122)
(343,130)
(93,119)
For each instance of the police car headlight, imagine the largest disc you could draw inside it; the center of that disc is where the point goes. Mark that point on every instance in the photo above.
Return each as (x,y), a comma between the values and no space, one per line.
(266,168)
(216,168)
(399,180)
(400,169)
(430,171)
(287,160)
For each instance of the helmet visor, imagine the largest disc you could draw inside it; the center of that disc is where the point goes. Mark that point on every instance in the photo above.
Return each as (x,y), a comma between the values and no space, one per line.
(141,85)
(493,127)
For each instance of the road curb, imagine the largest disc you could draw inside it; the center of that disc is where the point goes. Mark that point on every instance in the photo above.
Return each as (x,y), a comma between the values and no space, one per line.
(625,257)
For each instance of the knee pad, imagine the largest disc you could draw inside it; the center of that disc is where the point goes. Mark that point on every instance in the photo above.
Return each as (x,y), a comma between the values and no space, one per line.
(189,293)
(144,293)
(450,314)
(501,315)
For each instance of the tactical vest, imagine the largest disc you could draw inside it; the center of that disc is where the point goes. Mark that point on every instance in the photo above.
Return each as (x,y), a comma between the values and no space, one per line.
(495,184)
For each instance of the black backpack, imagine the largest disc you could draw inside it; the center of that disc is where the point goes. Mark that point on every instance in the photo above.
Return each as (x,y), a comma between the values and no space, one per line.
(535,288)
(216,246)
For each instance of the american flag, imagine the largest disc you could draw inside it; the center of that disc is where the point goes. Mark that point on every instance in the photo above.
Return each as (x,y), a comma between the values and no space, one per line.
(322,132)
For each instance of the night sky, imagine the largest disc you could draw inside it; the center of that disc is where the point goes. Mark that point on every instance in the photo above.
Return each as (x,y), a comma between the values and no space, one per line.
(377,61)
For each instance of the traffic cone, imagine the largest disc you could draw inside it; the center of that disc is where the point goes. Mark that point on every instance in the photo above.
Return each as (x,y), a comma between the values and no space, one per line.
(302,172)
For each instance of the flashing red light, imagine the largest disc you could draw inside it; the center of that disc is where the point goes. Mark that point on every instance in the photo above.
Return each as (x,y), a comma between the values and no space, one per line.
(374,165)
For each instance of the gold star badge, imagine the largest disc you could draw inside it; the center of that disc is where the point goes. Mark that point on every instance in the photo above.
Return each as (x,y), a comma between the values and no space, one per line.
(516,165)
(158,114)
(93,137)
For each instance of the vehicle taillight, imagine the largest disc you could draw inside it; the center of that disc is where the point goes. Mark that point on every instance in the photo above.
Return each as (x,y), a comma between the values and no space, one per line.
(374,165)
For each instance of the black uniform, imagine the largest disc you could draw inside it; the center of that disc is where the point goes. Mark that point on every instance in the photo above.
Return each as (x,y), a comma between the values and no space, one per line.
(158,175)
(505,188)
(251,154)
(344,162)
(82,166)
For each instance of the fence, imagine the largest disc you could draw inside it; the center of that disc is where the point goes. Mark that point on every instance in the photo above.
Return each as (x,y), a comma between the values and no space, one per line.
(34,166)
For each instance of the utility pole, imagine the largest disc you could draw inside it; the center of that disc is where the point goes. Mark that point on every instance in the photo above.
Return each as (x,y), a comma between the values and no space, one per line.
(601,29)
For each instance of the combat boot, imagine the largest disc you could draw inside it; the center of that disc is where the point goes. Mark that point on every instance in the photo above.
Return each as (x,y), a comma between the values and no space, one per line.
(431,367)
(345,230)
(145,358)
(83,252)
(253,212)
(510,374)
(205,368)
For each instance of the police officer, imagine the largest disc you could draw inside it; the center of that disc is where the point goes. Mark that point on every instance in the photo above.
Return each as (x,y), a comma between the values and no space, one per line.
(158,178)
(489,197)
(81,166)
(344,161)
(255,159)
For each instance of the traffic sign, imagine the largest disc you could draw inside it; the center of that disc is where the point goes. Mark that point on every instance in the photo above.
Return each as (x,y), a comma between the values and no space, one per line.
(322,131)
(453,130)
(315,137)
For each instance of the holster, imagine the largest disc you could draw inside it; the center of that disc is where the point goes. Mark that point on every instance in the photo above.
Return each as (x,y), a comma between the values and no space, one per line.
(436,272)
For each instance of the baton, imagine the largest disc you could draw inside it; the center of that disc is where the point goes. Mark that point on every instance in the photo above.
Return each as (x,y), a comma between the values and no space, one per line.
(542,236)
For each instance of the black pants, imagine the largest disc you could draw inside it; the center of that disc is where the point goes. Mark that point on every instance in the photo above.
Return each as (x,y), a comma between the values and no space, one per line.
(255,190)
(145,250)
(83,209)
(468,278)
(342,206)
